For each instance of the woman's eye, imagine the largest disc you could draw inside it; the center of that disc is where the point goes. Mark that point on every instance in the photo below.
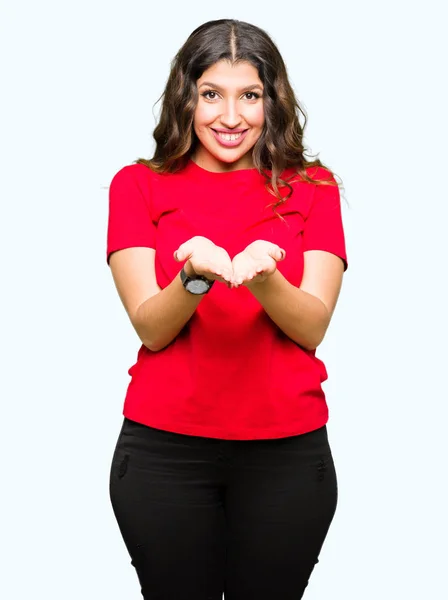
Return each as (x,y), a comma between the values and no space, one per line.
(206,94)
(210,95)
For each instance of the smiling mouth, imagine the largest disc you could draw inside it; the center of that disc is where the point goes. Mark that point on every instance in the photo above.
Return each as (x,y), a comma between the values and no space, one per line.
(229,137)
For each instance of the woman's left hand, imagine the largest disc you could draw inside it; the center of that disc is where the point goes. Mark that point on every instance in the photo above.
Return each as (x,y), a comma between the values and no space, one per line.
(256,263)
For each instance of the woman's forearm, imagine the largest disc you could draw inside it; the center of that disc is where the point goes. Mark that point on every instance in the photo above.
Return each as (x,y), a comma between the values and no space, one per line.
(162,316)
(301,316)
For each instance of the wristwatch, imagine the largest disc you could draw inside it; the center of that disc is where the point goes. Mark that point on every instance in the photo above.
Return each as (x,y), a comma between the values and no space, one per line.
(197,284)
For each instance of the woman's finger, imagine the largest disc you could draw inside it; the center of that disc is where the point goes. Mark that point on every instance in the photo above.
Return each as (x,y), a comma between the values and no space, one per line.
(198,243)
(184,252)
(276,253)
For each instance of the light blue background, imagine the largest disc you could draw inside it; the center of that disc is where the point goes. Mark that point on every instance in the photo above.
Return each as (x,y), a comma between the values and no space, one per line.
(79,80)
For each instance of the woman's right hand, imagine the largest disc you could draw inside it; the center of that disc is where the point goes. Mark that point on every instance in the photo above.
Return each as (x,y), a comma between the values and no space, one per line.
(204,258)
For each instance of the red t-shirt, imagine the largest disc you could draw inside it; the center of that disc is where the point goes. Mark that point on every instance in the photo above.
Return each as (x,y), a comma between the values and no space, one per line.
(231,373)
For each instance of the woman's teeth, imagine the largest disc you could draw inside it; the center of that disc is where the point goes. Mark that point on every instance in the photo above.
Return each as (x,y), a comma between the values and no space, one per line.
(230,137)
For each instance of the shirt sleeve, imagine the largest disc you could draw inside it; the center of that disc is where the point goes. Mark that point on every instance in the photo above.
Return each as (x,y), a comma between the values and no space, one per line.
(324,227)
(130,222)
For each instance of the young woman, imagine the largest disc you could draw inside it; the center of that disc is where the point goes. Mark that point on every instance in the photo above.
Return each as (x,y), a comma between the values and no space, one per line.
(227,250)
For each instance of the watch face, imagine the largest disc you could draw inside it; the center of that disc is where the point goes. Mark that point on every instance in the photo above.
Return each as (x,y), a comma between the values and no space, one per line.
(197,286)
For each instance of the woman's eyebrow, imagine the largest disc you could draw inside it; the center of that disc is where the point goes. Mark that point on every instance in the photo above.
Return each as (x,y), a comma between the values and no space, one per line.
(246,87)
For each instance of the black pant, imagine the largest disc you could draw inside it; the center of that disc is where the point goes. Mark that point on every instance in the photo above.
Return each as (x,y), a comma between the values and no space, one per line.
(202,517)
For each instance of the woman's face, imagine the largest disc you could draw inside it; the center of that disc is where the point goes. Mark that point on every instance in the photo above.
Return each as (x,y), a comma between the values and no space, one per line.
(230,100)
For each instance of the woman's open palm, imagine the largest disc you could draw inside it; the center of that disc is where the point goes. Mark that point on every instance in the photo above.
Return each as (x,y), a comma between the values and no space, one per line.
(206,259)
(256,263)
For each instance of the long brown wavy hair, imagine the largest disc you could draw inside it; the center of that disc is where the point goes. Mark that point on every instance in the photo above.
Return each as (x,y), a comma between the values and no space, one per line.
(280,144)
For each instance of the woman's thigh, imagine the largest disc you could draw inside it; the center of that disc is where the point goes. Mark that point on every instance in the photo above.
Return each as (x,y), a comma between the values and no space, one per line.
(281,499)
(167,500)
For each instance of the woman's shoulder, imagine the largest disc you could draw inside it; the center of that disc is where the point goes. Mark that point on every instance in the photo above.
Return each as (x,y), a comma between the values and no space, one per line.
(134,171)
(319,173)
(315,173)
(136,176)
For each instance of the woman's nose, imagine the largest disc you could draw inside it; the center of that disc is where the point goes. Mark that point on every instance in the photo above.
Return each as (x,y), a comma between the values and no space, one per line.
(230,117)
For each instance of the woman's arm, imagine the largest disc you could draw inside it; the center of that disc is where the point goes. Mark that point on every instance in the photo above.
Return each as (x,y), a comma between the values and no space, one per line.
(160,318)
(157,315)
(304,313)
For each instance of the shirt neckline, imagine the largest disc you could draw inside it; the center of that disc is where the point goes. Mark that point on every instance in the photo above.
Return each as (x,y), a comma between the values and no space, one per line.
(195,169)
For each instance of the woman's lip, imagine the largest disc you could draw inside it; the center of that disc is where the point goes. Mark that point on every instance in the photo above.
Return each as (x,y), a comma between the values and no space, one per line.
(229,143)
(230,131)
